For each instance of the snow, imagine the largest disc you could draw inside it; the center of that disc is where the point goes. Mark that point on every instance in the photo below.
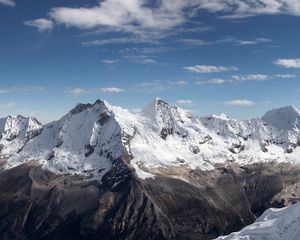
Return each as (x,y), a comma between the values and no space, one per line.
(84,141)
(15,132)
(286,118)
(275,224)
(200,142)
(162,136)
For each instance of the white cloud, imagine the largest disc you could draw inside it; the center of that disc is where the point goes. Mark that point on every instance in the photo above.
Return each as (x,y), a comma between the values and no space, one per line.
(158,85)
(184,101)
(240,103)
(248,8)
(288,63)
(108,61)
(194,42)
(139,59)
(228,40)
(82,91)
(128,16)
(212,81)
(209,69)
(21,89)
(179,83)
(250,77)
(41,24)
(112,90)
(77,91)
(148,61)
(140,16)
(253,42)
(119,40)
(285,76)
(152,86)
(10,3)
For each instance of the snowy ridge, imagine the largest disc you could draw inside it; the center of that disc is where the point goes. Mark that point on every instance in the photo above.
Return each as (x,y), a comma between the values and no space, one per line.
(287,118)
(84,141)
(275,224)
(165,136)
(161,139)
(16,132)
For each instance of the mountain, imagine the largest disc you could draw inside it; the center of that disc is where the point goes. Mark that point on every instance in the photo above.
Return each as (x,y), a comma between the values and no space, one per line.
(16,132)
(287,118)
(273,224)
(103,172)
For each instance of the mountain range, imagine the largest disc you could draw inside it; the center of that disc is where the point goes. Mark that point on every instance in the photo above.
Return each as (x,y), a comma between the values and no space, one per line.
(103,172)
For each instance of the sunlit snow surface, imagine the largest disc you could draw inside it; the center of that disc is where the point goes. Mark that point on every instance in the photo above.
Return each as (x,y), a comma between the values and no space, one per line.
(91,136)
(273,224)
(202,142)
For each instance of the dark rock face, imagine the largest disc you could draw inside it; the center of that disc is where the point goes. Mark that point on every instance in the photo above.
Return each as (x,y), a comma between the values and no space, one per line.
(37,204)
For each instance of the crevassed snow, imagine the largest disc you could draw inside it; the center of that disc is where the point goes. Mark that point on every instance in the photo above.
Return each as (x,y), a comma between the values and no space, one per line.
(273,224)
(161,136)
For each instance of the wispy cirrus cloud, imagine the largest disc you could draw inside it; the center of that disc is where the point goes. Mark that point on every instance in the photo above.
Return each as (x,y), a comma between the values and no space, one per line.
(240,103)
(250,77)
(148,61)
(159,85)
(288,63)
(285,76)
(117,40)
(151,86)
(178,83)
(140,59)
(112,90)
(211,81)
(226,40)
(24,89)
(10,3)
(77,91)
(184,101)
(252,42)
(110,61)
(41,24)
(209,69)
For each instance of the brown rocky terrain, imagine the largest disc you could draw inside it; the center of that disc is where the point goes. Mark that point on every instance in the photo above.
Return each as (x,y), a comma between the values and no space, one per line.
(37,204)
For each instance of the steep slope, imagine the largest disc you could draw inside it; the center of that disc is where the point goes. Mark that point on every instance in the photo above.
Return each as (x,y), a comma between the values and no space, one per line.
(104,172)
(166,139)
(287,118)
(161,139)
(16,132)
(275,224)
(85,141)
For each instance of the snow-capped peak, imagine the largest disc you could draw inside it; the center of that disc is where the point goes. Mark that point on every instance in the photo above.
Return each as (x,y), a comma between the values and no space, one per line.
(222,116)
(165,115)
(90,137)
(286,118)
(15,132)
(87,140)
(13,126)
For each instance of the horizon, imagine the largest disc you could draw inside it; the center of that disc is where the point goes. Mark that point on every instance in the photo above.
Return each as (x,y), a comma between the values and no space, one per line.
(208,58)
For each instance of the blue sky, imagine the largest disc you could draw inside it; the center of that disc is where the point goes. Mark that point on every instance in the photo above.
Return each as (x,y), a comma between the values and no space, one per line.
(241,58)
